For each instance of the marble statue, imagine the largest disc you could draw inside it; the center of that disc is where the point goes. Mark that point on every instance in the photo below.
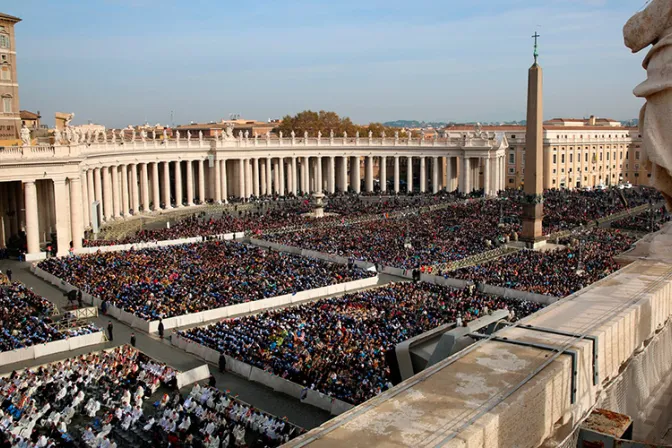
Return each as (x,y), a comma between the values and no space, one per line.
(240,135)
(153,134)
(133,134)
(345,134)
(200,136)
(188,136)
(247,134)
(357,135)
(319,135)
(293,134)
(25,136)
(229,132)
(331,133)
(280,134)
(57,137)
(104,135)
(122,134)
(268,135)
(69,120)
(370,134)
(305,135)
(143,135)
(177,135)
(478,130)
(165,135)
(382,134)
(76,134)
(114,137)
(653,26)
(396,135)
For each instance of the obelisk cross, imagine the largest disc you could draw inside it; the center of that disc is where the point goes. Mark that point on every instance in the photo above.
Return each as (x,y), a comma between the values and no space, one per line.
(536,53)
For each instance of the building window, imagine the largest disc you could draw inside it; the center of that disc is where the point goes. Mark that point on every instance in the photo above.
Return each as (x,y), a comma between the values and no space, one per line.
(512,158)
(554,170)
(555,159)
(571,158)
(607,156)
(600,157)
(510,180)
(513,136)
(636,155)
(562,158)
(4,41)
(7,105)
(512,171)
(621,155)
(586,157)
(5,74)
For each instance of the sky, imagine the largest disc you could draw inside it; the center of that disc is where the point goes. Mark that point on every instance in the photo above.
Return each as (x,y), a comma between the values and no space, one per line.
(121,62)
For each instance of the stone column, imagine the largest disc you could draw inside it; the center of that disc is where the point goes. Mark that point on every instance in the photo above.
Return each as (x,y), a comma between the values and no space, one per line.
(166,186)
(449,174)
(249,190)
(466,175)
(98,191)
(76,210)
(305,174)
(201,180)
(475,179)
(344,174)
(92,193)
(331,172)
(179,196)
(396,174)
(190,183)
(281,165)
(486,177)
(423,175)
(135,195)
(319,184)
(368,173)
(262,176)
(107,194)
(435,175)
(32,217)
(294,177)
(255,176)
(115,191)
(85,199)
(223,179)
(356,174)
(383,174)
(241,178)
(269,176)
(409,175)
(156,194)
(63,207)
(124,190)
(144,186)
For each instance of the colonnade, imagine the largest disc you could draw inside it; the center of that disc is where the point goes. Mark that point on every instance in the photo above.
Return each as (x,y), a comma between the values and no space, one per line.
(66,206)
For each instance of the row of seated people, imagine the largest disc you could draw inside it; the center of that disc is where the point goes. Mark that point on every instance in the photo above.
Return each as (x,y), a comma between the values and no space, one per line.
(26,318)
(647,222)
(267,219)
(177,280)
(337,345)
(587,257)
(96,400)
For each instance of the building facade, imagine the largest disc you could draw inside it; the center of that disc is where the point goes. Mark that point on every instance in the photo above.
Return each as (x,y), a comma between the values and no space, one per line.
(10,119)
(578,153)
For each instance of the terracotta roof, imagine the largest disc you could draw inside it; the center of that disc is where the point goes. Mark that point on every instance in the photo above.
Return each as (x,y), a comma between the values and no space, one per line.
(547,127)
(8,17)
(26,115)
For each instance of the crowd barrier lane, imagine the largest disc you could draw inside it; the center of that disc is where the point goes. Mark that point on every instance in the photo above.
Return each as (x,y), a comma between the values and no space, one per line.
(192,376)
(275,382)
(50,348)
(398,272)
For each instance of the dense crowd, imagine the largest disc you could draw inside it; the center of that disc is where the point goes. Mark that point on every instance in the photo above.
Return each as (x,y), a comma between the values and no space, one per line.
(177,280)
(337,345)
(558,272)
(647,222)
(460,230)
(268,217)
(101,399)
(25,318)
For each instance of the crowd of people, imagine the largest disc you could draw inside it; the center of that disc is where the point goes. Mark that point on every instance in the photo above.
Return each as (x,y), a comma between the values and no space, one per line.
(177,280)
(337,345)
(647,222)
(102,400)
(588,257)
(26,318)
(460,230)
(272,216)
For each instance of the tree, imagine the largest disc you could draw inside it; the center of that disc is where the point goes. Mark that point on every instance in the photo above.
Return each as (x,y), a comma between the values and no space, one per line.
(325,122)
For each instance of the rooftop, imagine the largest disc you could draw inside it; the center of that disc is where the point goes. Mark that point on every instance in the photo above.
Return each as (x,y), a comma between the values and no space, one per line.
(27,115)
(8,17)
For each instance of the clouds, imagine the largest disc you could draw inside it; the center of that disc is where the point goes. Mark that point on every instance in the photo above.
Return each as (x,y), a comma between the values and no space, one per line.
(372,60)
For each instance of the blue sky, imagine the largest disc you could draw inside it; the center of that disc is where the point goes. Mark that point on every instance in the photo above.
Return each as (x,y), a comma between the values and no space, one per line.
(120,62)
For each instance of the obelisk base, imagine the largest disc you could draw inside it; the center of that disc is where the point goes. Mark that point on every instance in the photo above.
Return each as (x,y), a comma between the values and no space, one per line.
(532,235)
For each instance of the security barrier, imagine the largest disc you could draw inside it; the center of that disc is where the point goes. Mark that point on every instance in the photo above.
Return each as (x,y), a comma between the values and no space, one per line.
(156,244)
(275,382)
(40,350)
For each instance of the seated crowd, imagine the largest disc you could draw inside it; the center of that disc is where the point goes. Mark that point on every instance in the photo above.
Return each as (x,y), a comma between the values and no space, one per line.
(105,400)
(647,222)
(177,280)
(337,345)
(25,318)
(558,272)
(263,219)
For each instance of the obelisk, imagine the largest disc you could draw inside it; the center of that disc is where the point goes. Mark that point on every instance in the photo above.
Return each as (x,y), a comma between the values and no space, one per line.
(533,199)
